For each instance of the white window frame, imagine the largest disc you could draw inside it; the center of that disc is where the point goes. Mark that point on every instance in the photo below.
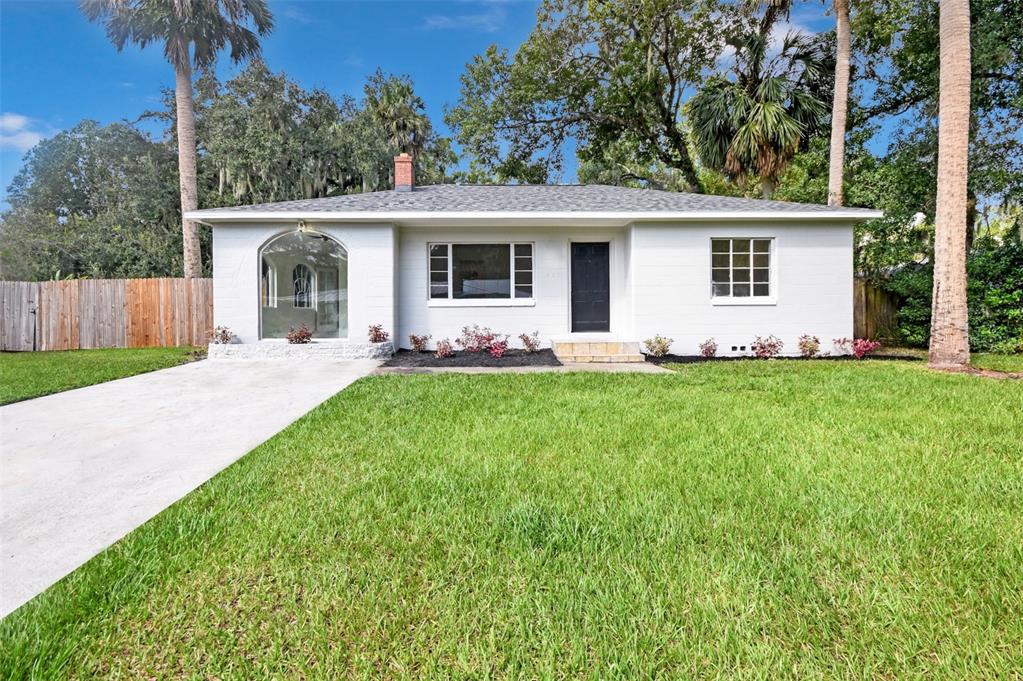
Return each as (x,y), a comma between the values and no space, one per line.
(772,272)
(270,279)
(451,301)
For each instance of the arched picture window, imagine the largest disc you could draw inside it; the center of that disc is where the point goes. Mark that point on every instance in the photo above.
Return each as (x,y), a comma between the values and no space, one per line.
(303,281)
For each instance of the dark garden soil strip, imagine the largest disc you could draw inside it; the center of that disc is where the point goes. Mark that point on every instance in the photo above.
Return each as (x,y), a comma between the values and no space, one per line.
(695,359)
(512,358)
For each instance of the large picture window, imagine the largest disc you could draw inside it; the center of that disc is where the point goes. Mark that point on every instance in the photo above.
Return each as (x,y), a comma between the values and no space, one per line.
(740,268)
(304,280)
(481,271)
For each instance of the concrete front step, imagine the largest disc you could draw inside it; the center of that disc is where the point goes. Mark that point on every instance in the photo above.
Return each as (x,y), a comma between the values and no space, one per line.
(622,358)
(597,351)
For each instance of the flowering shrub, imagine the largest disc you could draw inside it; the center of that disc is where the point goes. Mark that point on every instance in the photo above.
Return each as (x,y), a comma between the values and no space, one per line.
(530,343)
(222,336)
(857,347)
(300,335)
(766,348)
(419,343)
(444,349)
(709,348)
(377,333)
(475,339)
(658,346)
(498,347)
(809,346)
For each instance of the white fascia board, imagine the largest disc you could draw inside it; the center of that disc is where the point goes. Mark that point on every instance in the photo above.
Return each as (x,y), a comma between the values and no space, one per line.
(524,217)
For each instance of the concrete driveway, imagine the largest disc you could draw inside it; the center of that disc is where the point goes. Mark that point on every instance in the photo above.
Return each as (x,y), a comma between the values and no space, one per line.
(82,468)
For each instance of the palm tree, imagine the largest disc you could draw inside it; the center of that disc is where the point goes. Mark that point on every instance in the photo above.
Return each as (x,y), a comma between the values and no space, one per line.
(950,339)
(192,33)
(840,105)
(752,124)
(400,111)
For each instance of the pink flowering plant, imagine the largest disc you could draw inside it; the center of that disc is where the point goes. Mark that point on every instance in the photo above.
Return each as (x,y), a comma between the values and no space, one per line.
(709,348)
(419,343)
(299,336)
(377,333)
(809,346)
(767,348)
(497,347)
(444,349)
(475,339)
(530,343)
(857,347)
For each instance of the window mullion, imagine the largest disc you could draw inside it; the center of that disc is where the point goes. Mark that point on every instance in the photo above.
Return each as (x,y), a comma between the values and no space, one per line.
(451,279)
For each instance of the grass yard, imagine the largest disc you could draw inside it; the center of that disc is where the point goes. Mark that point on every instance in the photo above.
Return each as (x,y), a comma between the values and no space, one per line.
(1008,363)
(978,360)
(747,519)
(33,374)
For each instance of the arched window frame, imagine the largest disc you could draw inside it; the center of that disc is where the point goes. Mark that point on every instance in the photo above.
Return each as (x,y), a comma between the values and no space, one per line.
(344,254)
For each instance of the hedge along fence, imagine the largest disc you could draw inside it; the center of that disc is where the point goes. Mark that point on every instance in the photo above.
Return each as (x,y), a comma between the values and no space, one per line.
(105,313)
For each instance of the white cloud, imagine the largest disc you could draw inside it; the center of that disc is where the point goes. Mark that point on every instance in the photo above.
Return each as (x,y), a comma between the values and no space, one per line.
(12,122)
(296,14)
(16,132)
(486,22)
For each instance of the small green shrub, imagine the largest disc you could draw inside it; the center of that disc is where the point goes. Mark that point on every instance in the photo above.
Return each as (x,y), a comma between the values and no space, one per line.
(658,346)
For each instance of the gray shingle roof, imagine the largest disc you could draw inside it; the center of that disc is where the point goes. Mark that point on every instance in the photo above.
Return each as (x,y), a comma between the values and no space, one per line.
(531,198)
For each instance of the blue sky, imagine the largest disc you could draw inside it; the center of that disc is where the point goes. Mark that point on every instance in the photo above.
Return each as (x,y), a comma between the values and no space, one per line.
(56,68)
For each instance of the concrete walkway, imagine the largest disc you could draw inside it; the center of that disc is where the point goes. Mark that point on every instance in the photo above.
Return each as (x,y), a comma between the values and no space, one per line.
(82,468)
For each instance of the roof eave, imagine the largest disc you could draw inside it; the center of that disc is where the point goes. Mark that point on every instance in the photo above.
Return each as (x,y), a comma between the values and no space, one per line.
(219,216)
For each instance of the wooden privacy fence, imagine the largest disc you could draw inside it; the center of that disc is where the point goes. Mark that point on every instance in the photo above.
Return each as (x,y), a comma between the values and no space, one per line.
(105,313)
(874,310)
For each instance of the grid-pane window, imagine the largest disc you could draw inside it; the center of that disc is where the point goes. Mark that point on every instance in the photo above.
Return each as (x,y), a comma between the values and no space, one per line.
(740,268)
(523,270)
(481,271)
(439,275)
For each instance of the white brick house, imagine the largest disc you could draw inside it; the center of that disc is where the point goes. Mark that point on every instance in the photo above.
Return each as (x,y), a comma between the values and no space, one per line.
(588,264)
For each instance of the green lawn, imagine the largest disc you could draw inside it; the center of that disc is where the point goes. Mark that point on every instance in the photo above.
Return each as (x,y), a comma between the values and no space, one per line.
(978,360)
(32,374)
(748,519)
(1013,363)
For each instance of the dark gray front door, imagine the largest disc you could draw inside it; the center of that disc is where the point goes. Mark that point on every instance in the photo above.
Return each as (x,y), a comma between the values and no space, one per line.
(591,287)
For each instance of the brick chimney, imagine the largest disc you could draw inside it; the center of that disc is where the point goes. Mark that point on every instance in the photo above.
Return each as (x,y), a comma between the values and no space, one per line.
(404,173)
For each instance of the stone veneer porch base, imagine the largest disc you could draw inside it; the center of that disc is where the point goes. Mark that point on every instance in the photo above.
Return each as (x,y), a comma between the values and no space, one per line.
(314,350)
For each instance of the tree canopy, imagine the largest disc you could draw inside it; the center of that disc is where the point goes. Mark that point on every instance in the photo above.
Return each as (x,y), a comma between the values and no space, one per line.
(102,201)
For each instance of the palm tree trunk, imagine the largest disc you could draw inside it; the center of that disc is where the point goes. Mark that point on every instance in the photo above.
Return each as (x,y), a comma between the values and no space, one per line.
(950,343)
(767,187)
(186,169)
(840,106)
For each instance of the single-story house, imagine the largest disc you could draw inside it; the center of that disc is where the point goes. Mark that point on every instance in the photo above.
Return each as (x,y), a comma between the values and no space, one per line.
(594,269)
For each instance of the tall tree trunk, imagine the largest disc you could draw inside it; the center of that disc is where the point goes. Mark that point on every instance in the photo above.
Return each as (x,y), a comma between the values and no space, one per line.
(186,168)
(840,106)
(950,342)
(767,187)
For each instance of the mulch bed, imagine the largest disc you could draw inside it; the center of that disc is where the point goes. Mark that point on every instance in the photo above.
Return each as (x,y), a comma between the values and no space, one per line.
(696,359)
(512,358)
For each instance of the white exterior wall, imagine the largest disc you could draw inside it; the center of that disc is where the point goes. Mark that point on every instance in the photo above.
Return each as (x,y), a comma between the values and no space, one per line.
(371,275)
(812,283)
(550,312)
(660,283)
